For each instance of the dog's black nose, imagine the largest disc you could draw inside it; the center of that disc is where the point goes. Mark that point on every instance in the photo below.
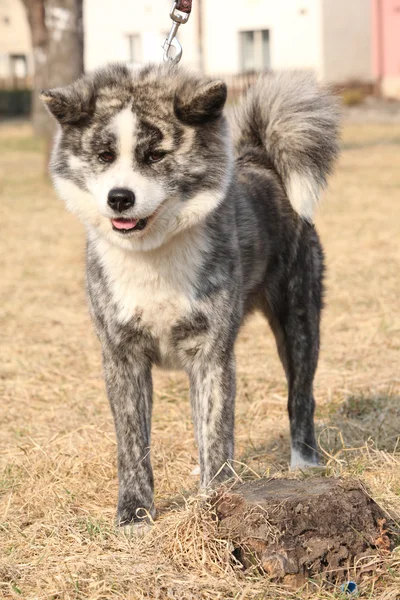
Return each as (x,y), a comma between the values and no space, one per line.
(120,199)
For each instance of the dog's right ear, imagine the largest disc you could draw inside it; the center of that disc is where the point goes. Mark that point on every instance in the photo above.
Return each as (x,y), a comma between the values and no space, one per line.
(72,104)
(200,104)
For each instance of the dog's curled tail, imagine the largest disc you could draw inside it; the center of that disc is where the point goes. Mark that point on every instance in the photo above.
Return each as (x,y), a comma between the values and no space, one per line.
(295,121)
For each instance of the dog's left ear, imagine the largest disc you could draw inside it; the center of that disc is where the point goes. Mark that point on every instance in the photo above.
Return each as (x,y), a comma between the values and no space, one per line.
(202,104)
(72,104)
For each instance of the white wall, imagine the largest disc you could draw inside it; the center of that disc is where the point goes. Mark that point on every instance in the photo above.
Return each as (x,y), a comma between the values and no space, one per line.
(107,25)
(347,31)
(330,37)
(15,37)
(295,32)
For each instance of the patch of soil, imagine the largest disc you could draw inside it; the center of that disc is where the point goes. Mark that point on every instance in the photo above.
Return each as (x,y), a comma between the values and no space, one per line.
(297,529)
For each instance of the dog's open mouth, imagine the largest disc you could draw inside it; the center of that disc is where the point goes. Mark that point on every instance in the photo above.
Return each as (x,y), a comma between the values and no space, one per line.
(125,226)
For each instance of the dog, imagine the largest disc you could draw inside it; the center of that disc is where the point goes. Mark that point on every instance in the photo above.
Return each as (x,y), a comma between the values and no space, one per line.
(189,230)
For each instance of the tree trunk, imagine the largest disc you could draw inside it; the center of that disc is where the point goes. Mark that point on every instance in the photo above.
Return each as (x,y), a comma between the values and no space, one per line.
(57,40)
(293,529)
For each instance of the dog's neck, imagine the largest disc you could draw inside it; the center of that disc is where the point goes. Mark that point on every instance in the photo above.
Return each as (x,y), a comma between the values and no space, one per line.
(183,254)
(167,276)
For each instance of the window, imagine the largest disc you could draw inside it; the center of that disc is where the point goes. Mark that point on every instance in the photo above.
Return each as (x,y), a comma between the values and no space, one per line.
(254,50)
(135,48)
(18,65)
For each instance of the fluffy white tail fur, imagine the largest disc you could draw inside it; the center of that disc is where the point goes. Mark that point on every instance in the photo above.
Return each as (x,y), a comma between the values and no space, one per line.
(295,121)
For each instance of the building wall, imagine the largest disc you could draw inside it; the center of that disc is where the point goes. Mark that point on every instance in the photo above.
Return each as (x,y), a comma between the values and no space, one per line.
(386,45)
(346,34)
(108,25)
(330,37)
(294,26)
(15,38)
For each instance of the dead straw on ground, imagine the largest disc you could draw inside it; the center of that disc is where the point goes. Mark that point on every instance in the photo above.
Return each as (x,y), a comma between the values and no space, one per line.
(58,481)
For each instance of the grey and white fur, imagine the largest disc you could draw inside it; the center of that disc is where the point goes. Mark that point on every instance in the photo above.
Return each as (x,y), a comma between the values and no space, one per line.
(188,232)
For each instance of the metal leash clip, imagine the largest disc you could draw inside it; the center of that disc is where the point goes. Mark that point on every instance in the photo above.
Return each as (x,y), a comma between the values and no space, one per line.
(179,18)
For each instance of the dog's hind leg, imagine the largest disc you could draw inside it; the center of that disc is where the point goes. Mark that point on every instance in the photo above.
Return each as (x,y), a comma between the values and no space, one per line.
(293,308)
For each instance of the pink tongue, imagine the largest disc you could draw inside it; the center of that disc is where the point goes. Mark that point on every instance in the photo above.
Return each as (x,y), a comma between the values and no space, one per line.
(124,223)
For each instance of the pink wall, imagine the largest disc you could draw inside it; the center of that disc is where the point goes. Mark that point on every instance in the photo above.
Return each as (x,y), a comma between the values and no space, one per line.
(386,37)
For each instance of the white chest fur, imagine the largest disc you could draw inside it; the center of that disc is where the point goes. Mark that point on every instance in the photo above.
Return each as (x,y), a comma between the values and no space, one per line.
(159,286)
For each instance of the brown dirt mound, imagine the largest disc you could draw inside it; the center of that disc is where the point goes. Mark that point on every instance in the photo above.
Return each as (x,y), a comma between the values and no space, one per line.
(297,529)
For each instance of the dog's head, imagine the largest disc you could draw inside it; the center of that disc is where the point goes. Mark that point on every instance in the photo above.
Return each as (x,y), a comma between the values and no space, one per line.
(140,155)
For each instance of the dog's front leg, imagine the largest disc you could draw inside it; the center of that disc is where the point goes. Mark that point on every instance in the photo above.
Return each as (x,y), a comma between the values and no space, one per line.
(129,387)
(212,391)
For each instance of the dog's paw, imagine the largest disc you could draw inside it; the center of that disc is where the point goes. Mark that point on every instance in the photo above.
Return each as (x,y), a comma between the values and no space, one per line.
(299,462)
(138,529)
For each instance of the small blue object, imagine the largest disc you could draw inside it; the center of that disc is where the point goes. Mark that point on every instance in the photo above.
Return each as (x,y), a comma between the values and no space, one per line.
(350,587)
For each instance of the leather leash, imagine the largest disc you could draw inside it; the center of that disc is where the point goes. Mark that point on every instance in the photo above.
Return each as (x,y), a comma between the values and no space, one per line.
(184,6)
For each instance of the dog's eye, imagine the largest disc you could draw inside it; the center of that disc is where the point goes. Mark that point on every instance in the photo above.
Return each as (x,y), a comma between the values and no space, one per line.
(156,156)
(107,157)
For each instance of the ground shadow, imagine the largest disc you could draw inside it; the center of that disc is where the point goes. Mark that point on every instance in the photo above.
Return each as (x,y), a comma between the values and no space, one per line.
(360,420)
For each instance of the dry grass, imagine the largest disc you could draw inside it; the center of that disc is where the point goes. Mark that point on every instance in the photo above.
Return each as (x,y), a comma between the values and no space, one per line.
(58,480)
